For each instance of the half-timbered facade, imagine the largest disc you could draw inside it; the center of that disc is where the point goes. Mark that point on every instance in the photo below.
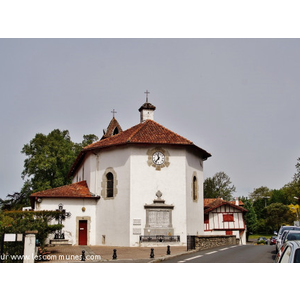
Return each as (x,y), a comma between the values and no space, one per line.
(224,218)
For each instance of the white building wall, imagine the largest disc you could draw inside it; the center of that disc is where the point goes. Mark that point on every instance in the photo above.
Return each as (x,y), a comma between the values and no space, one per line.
(146,181)
(113,214)
(120,221)
(216,218)
(194,167)
(74,206)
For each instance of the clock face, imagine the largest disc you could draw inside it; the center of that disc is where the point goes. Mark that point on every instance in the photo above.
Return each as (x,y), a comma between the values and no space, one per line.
(158,158)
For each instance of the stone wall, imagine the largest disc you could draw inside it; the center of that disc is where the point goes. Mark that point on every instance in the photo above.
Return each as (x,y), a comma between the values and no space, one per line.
(203,242)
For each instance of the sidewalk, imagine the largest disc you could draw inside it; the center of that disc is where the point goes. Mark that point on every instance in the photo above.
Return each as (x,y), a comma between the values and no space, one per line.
(104,254)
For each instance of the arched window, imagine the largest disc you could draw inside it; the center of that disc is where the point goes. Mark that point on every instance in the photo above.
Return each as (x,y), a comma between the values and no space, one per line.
(195,188)
(109,185)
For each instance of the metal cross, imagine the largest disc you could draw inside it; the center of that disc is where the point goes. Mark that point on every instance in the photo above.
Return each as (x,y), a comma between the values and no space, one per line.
(63,214)
(147,95)
(113,112)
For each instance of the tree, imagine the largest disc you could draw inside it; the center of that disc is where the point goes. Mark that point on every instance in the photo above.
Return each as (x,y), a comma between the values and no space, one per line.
(49,158)
(250,217)
(278,214)
(219,185)
(262,192)
(22,221)
(88,139)
(260,197)
(278,196)
(48,161)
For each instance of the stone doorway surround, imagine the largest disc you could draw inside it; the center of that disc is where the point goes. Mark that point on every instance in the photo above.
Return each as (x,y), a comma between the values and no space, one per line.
(88,219)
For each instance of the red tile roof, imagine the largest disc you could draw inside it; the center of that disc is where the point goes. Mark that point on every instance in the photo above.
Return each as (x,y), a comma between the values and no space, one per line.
(148,132)
(74,190)
(213,203)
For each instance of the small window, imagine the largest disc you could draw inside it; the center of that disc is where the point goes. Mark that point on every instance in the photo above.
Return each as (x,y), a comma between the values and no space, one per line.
(116,131)
(109,185)
(228,218)
(195,188)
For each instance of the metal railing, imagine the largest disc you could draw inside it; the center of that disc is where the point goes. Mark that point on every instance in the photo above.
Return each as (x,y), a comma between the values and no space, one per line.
(160,238)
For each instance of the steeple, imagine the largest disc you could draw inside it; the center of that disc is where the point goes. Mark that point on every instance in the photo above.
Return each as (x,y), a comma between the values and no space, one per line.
(147,110)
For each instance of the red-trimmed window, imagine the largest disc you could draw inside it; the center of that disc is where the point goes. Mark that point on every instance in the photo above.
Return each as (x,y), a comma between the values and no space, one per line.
(228,218)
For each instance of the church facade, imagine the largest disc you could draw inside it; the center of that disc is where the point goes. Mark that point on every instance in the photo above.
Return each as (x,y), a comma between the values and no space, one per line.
(131,186)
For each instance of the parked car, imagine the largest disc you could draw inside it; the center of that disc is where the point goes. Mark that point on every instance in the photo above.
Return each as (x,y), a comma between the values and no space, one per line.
(287,235)
(279,241)
(292,235)
(279,235)
(262,240)
(290,253)
(273,240)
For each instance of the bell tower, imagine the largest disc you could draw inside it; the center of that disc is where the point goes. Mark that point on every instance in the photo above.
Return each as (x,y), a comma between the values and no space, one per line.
(147,110)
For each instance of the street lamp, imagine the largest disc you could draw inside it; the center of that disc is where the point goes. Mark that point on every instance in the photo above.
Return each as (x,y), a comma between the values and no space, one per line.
(297,198)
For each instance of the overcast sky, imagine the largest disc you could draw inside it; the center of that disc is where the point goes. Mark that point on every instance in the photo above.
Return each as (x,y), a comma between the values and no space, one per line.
(236,98)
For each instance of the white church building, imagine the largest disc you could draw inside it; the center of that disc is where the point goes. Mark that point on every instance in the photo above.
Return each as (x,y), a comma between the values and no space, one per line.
(131,187)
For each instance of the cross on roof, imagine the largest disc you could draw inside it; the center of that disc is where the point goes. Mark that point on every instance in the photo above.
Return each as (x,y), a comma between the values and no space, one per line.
(147,95)
(113,112)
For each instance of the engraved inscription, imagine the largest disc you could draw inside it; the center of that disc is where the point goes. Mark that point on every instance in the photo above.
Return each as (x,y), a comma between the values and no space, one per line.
(158,218)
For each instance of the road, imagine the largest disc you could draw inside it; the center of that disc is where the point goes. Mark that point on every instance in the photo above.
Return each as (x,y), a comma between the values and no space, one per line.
(229,254)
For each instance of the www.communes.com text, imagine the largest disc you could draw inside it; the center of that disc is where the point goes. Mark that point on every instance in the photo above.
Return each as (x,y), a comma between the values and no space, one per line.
(50,257)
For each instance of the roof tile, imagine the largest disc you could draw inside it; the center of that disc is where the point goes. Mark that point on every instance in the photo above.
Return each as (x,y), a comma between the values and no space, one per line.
(74,190)
(148,132)
(212,203)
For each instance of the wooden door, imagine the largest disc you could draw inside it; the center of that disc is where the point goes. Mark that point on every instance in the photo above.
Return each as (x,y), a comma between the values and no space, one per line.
(82,236)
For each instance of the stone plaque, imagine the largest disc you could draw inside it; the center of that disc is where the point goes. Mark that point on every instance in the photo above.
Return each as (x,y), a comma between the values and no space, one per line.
(137,221)
(158,218)
(137,231)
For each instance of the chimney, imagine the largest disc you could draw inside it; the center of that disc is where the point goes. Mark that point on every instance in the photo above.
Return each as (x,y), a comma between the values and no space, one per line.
(237,202)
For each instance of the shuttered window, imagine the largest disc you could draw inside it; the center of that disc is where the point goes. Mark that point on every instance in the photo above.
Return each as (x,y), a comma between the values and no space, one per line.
(228,218)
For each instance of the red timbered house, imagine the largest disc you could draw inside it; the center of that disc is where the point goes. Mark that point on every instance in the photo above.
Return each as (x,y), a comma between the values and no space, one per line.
(224,218)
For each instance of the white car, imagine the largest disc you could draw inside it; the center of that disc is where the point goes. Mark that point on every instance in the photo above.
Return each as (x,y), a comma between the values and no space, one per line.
(280,233)
(290,253)
(288,235)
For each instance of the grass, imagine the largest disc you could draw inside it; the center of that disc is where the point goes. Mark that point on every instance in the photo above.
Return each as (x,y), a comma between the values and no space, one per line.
(256,236)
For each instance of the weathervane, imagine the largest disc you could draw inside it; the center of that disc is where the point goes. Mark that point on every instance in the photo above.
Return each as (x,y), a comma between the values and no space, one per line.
(147,95)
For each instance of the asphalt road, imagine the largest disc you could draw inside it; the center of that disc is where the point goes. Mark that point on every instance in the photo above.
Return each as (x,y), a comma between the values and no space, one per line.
(229,254)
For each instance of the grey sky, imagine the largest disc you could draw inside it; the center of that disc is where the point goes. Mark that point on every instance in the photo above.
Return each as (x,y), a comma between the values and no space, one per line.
(236,98)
